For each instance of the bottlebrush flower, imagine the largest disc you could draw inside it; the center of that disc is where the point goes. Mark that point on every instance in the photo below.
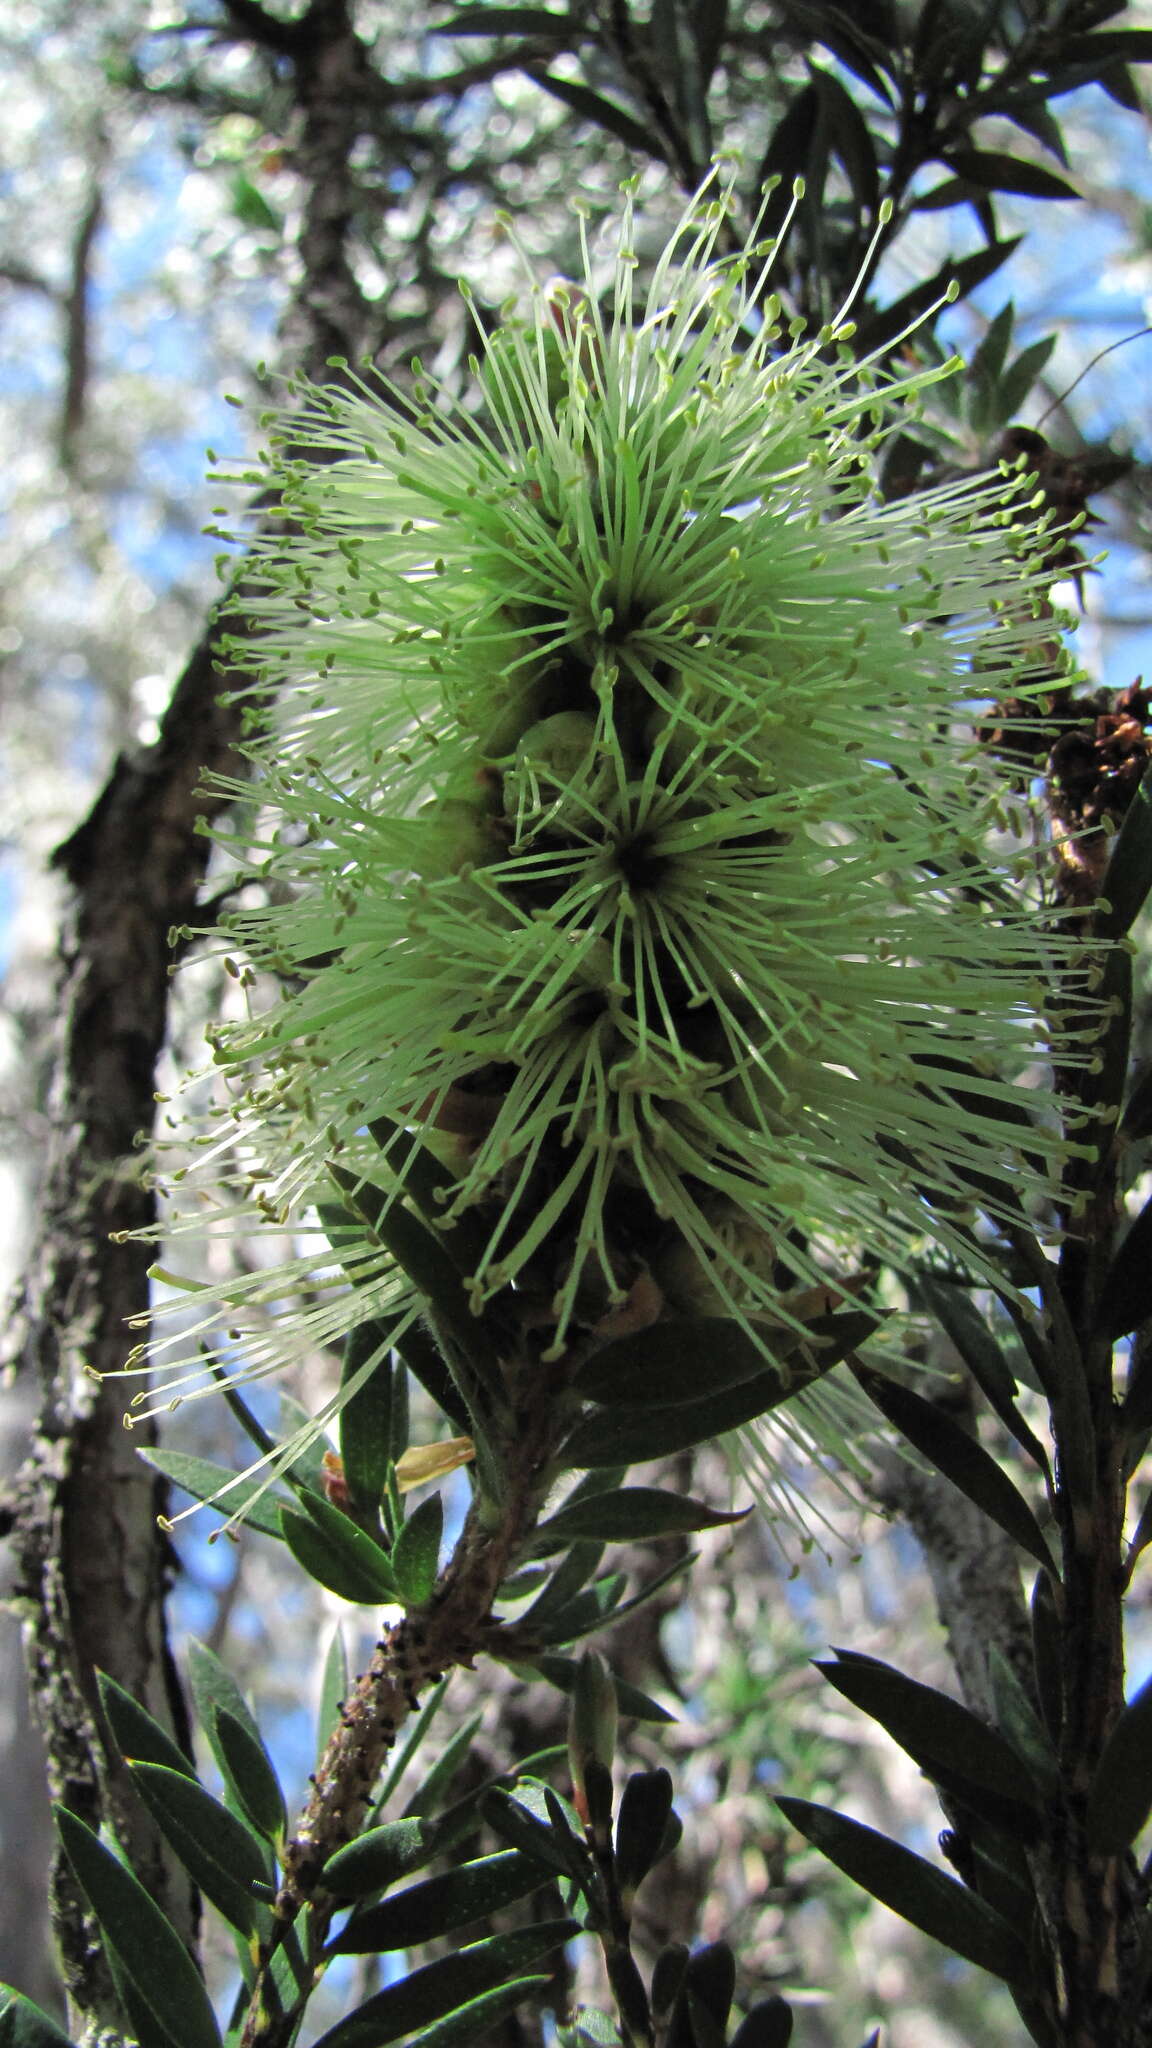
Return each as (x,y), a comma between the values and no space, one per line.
(626,833)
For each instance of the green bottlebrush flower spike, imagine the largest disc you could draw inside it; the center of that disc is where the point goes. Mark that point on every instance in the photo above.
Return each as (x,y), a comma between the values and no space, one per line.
(628,841)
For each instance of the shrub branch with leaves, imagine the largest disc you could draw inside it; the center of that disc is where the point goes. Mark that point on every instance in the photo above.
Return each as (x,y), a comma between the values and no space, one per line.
(659,956)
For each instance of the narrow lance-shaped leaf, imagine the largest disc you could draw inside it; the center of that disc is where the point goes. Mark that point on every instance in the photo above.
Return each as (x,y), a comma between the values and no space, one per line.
(138,1736)
(376,1859)
(237,1494)
(23,2025)
(561,1672)
(480,2017)
(334,1684)
(1128,877)
(440,1904)
(631,1513)
(249,1771)
(966,1328)
(213,1687)
(216,1849)
(366,1415)
(416,1554)
(1126,1295)
(1121,1796)
(926,1897)
(959,1752)
(442,1987)
(337,1554)
(621,1437)
(961,1459)
(150,1951)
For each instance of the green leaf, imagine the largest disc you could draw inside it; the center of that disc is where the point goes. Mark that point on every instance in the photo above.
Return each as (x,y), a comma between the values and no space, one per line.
(958,1752)
(365,1426)
(138,1737)
(250,206)
(248,1769)
(507,21)
(631,1438)
(662,1365)
(988,360)
(574,1571)
(965,1327)
(151,1953)
(642,1825)
(1020,376)
(561,1672)
(213,1688)
(1019,1720)
(709,1984)
(1128,876)
(220,1854)
(202,1479)
(416,1554)
(337,1554)
(1047,1653)
(334,1684)
(1126,1295)
(935,1903)
(376,1859)
(768,2025)
(961,1459)
(592,106)
(590,1610)
(425,1258)
(443,1987)
(554,1847)
(23,2025)
(476,2020)
(1121,1796)
(439,1905)
(631,1513)
(998,172)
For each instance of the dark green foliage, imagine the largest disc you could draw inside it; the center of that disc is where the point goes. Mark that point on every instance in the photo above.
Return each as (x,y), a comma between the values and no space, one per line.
(920,1893)
(440,1904)
(416,1552)
(366,1418)
(1129,874)
(561,1672)
(167,1984)
(23,2025)
(441,1988)
(961,1754)
(1121,1796)
(138,1736)
(222,1856)
(248,1769)
(642,1826)
(376,1859)
(960,1458)
(628,1436)
(768,2025)
(338,1554)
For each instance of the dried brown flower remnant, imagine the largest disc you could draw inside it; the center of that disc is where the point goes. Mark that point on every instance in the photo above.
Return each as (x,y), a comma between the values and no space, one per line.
(1094,770)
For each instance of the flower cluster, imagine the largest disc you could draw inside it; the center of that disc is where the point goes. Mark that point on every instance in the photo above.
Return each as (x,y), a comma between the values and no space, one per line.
(626,835)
